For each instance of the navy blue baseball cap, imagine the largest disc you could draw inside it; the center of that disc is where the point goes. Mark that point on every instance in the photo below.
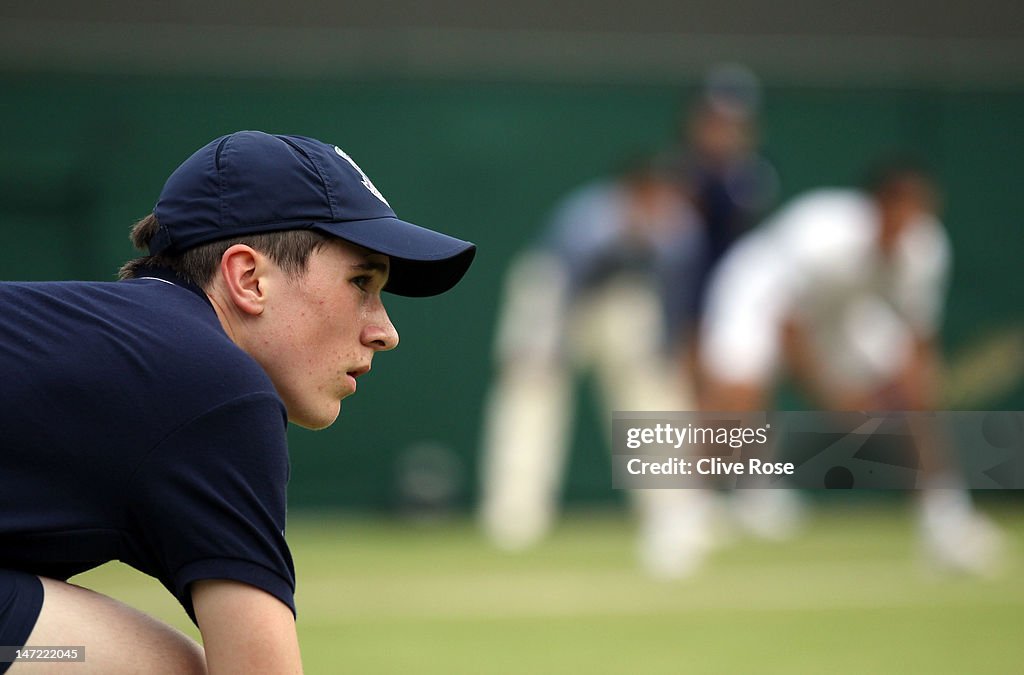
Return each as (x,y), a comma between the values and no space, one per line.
(250,182)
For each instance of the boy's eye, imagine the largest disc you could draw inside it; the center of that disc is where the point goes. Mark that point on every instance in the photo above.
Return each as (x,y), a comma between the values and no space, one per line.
(362,282)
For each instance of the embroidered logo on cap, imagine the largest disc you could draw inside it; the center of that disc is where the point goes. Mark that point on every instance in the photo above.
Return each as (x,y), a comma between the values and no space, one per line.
(366,181)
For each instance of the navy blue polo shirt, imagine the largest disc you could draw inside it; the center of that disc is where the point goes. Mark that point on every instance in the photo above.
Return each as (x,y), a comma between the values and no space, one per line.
(132,428)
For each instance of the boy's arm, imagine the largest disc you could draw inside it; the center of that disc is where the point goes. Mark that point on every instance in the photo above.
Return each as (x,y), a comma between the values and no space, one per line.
(245,629)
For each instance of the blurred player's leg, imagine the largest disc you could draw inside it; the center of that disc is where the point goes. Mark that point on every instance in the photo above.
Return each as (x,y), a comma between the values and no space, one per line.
(625,330)
(525,441)
(529,409)
(955,536)
(675,534)
(876,356)
(742,346)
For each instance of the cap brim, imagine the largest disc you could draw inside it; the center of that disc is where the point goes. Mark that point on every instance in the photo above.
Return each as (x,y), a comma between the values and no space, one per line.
(423,262)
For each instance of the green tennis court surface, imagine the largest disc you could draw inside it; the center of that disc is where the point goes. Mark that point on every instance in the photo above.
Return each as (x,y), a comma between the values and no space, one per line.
(849,595)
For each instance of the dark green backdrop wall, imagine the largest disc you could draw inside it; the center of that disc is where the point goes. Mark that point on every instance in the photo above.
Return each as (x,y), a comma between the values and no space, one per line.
(83,156)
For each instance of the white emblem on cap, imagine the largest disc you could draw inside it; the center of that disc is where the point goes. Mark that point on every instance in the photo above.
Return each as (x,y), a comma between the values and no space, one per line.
(366,181)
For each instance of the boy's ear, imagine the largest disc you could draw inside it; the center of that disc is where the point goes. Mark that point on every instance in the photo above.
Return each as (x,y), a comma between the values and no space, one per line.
(243,270)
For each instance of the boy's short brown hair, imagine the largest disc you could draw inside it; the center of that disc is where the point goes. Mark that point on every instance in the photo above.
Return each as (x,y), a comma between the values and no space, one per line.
(290,249)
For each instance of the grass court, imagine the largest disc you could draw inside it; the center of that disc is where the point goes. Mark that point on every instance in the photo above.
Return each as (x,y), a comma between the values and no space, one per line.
(850,595)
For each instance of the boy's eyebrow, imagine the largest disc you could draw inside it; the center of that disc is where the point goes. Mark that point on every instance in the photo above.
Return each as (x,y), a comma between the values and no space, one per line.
(372,266)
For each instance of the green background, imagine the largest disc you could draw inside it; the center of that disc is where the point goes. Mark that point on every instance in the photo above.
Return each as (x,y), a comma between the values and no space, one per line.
(83,156)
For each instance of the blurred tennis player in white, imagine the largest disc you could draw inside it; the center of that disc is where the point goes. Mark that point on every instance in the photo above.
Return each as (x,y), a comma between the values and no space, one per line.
(843,290)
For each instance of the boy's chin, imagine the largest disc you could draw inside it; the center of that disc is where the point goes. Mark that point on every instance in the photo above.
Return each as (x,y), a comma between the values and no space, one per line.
(316,419)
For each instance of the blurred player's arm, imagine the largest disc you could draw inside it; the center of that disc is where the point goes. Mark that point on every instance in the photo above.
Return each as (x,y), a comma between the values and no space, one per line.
(915,387)
(920,295)
(921,381)
(245,629)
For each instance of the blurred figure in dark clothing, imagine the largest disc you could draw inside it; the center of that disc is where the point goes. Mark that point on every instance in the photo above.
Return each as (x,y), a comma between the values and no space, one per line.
(730,184)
